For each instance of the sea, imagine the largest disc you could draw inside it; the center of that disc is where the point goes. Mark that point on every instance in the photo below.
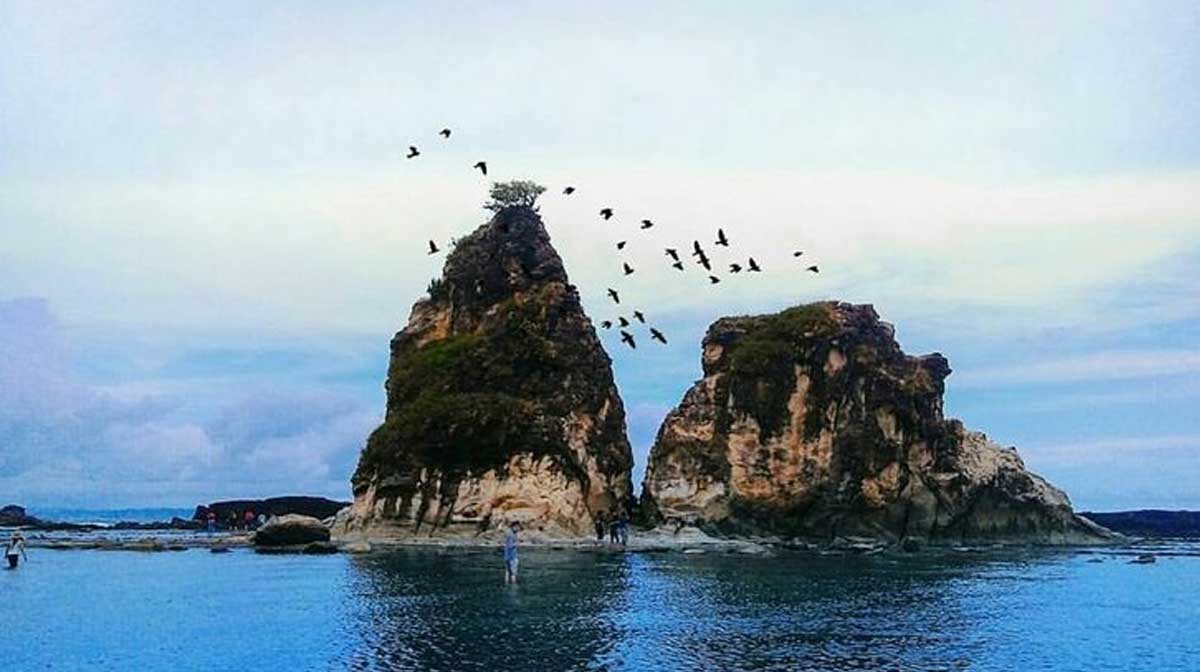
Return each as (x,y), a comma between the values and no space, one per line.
(449,609)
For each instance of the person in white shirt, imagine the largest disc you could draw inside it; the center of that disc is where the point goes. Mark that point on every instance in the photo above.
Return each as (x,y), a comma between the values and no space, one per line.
(15,550)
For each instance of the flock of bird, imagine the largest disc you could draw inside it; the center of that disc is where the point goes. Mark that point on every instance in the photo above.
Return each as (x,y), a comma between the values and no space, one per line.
(623,324)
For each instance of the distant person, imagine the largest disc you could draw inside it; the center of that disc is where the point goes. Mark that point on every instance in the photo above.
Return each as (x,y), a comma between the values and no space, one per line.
(510,552)
(614,530)
(262,519)
(15,550)
(249,519)
(600,529)
(212,522)
(623,529)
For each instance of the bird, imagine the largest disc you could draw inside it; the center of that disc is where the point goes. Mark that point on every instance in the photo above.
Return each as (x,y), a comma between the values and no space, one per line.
(735,268)
(712,279)
(622,321)
(814,269)
(673,253)
(606,213)
(445,132)
(657,335)
(613,293)
(678,265)
(607,324)
(721,239)
(697,251)
(703,261)
(621,245)
(647,224)
(628,268)
(754,267)
(798,253)
(628,338)
(637,314)
(569,190)
(482,166)
(412,152)
(433,248)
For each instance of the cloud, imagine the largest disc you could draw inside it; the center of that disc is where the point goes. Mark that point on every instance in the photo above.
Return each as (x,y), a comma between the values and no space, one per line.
(191,440)
(1114,365)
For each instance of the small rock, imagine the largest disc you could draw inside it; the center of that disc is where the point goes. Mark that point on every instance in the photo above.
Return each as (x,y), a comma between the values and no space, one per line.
(219,549)
(1144,560)
(291,530)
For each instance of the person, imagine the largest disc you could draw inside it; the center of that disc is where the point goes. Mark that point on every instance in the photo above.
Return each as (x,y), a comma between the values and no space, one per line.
(623,529)
(510,552)
(249,518)
(600,528)
(15,550)
(614,530)
(212,522)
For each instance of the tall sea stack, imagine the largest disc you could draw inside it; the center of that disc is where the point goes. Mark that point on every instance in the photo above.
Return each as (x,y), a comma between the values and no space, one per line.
(813,423)
(501,404)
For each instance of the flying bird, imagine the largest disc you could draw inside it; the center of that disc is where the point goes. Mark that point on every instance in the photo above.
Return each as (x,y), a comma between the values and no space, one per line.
(697,251)
(798,253)
(712,279)
(628,338)
(606,213)
(433,248)
(735,268)
(569,190)
(647,224)
(622,321)
(814,269)
(621,245)
(637,314)
(482,166)
(673,253)
(412,152)
(678,264)
(445,132)
(657,335)
(628,268)
(613,293)
(754,267)
(607,324)
(721,239)
(703,261)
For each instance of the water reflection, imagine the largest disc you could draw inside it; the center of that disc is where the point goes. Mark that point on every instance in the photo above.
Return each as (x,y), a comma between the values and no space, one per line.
(449,610)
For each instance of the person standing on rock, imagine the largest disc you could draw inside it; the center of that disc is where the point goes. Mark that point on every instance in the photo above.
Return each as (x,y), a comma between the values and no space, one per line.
(600,528)
(510,552)
(15,550)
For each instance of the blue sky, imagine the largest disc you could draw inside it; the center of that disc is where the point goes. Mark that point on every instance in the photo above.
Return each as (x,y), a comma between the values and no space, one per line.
(208,234)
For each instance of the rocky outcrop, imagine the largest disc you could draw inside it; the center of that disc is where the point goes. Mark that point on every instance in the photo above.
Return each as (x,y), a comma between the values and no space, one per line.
(1150,523)
(291,530)
(500,401)
(317,507)
(813,423)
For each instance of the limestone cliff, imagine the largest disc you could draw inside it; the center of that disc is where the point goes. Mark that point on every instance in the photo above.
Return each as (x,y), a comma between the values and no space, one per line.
(501,404)
(813,423)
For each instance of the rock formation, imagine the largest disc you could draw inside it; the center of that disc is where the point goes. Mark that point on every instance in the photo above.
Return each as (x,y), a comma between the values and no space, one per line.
(500,401)
(813,423)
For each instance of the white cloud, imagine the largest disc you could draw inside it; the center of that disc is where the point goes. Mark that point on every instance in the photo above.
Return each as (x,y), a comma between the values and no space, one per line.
(1108,365)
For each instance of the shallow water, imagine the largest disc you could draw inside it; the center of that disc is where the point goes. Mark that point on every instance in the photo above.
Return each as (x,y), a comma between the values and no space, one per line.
(448,610)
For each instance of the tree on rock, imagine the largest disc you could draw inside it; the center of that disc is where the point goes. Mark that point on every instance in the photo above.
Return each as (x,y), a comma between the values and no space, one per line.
(521,193)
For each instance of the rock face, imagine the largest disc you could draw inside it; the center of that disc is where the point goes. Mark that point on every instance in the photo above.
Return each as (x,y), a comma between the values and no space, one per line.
(317,507)
(291,530)
(813,423)
(500,401)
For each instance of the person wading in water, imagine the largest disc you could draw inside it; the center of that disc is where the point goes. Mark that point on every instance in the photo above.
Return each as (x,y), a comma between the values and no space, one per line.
(510,552)
(15,550)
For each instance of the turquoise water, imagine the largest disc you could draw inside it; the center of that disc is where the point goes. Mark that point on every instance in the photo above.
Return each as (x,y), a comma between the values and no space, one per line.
(110,516)
(448,610)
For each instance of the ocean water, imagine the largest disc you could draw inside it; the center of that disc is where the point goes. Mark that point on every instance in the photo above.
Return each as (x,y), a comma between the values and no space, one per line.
(110,516)
(428,609)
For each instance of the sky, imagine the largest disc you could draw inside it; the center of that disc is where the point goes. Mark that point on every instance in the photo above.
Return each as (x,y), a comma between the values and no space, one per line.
(208,231)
